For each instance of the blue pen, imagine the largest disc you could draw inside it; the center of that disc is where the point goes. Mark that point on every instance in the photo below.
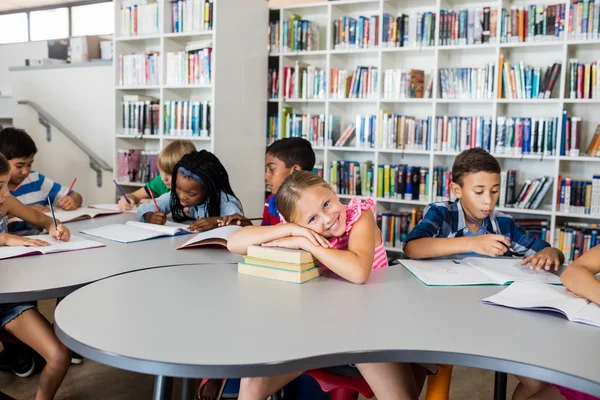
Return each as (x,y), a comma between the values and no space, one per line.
(52,212)
(486,231)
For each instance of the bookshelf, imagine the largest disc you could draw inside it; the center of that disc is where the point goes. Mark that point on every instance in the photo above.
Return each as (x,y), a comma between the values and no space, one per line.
(235,89)
(538,53)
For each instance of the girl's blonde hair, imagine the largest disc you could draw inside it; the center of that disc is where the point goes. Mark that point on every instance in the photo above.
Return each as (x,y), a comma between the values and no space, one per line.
(292,187)
(171,154)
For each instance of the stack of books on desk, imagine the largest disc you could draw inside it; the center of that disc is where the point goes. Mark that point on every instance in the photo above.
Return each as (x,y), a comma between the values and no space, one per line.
(288,265)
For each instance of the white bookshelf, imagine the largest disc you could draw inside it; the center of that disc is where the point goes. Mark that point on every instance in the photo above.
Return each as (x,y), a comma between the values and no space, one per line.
(430,59)
(237,94)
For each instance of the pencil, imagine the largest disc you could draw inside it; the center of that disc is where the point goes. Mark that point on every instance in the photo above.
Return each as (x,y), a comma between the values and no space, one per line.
(71,187)
(122,192)
(154,200)
(52,212)
(486,231)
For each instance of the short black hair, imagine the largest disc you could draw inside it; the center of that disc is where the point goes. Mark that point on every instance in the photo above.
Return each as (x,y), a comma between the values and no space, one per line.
(293,151)
(16,143)
(472,161)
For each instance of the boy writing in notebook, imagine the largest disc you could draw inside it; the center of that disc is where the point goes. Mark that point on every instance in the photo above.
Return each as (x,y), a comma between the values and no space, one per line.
(471,223)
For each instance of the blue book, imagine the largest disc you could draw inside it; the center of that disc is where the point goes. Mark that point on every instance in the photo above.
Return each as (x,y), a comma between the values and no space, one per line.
(529,83)
(563,188)
(563,133)
(526,136)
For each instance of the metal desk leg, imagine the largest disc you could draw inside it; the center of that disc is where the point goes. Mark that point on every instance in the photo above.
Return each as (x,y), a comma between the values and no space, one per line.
(163,387)
(500,386)
(187,389)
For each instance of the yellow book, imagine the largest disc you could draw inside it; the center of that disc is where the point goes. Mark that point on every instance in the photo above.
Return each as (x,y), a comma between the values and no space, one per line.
(386,180)
(561,240)
(594,93)
(499,87)
(279,274)
(259,262)
(586,82)
(280,254)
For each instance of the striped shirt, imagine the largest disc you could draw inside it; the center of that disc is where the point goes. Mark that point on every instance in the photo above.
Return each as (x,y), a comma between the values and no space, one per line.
(35,188)
(447,220)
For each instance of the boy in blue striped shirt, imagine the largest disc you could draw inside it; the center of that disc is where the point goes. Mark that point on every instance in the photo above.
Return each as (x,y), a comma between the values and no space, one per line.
(30,187)
(450,228)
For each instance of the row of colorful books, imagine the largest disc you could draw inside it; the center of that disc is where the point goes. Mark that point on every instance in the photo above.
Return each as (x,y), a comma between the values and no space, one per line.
(352,178)
(468,83)
(304,82)
(584,19)
(139,69)
(308,126)
(135,165)
(584,80)
(139,19)
(522,81)
(526,136)
(140,115)
(404,84)
(395,226)
(532,23)
(187,118)
(403,132)
(362,83)
(298,34)
(191,15)
(531,194)
(403,182)
(580,197)
(355,33)
(538,228)
(189,67)
(456,134)
(576,238)
(467,26)
(408,30)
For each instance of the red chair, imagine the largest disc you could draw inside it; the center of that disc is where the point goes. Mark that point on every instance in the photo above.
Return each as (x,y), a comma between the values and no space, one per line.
(341,387)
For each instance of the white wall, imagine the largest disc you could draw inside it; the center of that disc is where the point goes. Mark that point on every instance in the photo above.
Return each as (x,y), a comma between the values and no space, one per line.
(12,55)
(81,98)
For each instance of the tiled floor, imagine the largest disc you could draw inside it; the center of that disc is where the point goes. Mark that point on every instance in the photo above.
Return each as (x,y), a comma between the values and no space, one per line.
(96,381)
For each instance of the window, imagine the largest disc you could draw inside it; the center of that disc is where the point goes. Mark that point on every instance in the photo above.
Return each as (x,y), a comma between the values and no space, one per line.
(92,19)
(49,24)
(13,28)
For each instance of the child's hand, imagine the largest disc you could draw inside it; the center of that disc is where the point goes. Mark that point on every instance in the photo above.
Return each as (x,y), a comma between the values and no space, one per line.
(236,219)
(204,224)
(14,240)
(61,234)
(312,236)
(292,242)
(491,245)
(67,203)
(40,208)
(572,294)
(124,205)
(546,259)
(157,218)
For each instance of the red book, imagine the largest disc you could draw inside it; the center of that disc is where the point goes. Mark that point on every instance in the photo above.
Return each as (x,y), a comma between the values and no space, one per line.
(580,77)
(552,81)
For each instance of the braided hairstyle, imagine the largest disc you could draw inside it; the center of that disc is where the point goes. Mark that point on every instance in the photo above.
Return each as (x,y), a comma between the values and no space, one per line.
(214,180)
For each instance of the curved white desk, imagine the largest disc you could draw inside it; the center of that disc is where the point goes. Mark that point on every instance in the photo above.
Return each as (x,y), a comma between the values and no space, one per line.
(223,324)
(56,275)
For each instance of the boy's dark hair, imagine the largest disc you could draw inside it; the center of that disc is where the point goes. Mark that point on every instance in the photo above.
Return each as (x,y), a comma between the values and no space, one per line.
(472,161)
(4,165)
(214,177)
(16,143)
(293,151)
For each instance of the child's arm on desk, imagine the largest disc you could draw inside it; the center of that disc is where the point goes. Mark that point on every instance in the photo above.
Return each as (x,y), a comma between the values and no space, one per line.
(257,235)
(28,214)
(489,245)
(580,276)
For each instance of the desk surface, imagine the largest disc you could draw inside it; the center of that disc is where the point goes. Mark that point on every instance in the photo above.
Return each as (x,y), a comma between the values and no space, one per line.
(56,275)
(223,324)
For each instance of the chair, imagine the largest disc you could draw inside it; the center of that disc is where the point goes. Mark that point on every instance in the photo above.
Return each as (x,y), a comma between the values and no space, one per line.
(341,387)
(16,356)
(438,385)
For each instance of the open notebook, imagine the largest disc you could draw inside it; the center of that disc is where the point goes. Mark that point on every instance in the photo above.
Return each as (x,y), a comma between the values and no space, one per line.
(476,271)
(540,297)
(76,243)
(134,231)
(79,214)
(113,207)
(218,236)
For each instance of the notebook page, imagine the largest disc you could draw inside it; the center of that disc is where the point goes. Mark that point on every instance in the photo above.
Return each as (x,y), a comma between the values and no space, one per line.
(223,232)
(75,243)
(506,270)
(445,273)
(16,251)
(170,228)
(589,314)
(123,233)
(113,207)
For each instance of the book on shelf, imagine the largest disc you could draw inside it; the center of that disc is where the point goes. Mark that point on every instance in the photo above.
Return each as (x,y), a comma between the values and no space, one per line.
(574,239)
(135,165)
(296,266)
(74,244)
(593,149)
(476,271)
(362,83)
(308,126)
(355,33)
(456,134)
(190,67)
(135,231)
(141,115)
(526,136)
(468,26)
(360,134)
(583,81)
(441,185)
(304,82)
(187,118)
(395,226)
(522,81)
(529,196)
(571,135)
(508,184)
(579,196)
(403,84)
(273,128)
(273,83)
(214,237)
(274,37)
(532,23)
(139,69)
(403,132)
(538,228)
(191,15)
(416,29)
(584,20)
(299,35)
(139,18)
(352,178)
(539,297)
(467,83)
(318,170)
(403,182)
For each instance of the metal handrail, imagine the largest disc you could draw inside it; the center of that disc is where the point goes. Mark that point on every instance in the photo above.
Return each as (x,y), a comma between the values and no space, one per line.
(47,120)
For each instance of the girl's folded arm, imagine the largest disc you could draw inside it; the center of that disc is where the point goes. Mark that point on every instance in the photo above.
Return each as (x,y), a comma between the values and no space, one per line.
(580,276)
(256,235)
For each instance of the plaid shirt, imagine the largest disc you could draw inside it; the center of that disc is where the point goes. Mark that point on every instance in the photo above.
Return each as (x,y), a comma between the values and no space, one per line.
(447,220)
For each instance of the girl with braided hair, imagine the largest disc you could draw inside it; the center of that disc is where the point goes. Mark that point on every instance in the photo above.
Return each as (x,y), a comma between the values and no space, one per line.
(200,191)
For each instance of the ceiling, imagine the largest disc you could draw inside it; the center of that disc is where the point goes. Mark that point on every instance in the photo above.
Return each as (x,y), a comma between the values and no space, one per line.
(14,5)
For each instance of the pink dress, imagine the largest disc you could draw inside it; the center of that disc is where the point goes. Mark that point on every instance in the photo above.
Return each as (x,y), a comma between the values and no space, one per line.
(354,210)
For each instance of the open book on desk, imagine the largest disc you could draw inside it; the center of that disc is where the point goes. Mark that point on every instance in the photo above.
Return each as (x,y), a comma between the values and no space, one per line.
(217,236)
(75,215)
(76,243)
(113,207)
(476,271)
(134,231)
(540,297)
